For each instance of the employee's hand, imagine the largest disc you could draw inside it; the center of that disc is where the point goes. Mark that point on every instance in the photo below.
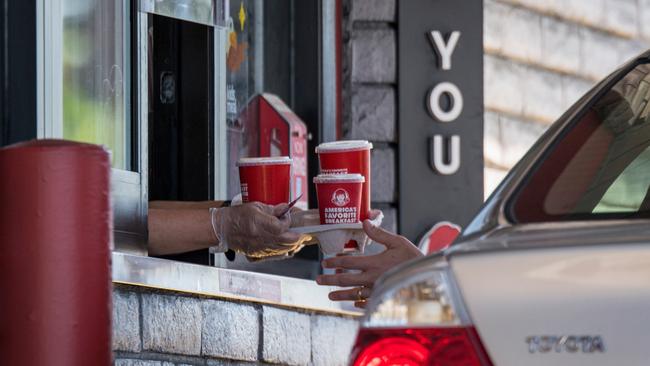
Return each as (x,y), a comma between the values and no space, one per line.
(255,229)
(300,218)
(398,250)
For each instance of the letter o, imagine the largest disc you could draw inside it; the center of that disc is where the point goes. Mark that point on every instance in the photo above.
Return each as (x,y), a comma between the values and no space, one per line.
(434,102)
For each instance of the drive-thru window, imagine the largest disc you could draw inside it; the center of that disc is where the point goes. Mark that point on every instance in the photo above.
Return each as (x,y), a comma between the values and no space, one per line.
(173,89)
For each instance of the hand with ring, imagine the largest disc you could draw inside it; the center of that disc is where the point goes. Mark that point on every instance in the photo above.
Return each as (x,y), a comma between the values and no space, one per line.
(368,268)
(363,293)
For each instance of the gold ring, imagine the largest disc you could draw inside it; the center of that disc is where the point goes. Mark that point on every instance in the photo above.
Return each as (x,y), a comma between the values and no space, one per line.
(360,297)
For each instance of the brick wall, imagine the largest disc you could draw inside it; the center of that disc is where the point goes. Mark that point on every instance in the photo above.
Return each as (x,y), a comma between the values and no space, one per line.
(540,57)
(166,329)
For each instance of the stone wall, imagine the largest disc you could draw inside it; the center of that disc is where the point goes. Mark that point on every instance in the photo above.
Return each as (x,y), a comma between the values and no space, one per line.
(166,329)
(369,93)
(540,57)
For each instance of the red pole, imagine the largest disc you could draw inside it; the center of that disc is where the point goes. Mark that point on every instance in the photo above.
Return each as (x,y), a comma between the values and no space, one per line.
(55,238)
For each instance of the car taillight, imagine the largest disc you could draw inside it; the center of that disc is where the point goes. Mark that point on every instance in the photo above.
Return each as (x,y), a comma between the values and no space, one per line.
(419,346)
(416,318)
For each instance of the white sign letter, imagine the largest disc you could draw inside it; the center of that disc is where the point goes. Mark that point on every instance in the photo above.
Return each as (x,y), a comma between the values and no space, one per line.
(444,50)
(434,102)
(438,152)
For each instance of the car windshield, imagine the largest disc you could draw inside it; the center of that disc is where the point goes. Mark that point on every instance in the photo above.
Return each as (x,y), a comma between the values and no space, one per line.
(600,166)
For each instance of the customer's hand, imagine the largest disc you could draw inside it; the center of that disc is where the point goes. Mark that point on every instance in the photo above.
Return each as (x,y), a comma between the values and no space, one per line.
(398,250)
(255,229)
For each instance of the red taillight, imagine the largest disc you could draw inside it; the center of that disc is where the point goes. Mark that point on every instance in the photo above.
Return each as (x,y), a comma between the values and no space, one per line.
(443,346)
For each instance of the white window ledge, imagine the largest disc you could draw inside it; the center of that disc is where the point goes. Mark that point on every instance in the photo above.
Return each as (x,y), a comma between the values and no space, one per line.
(231,284)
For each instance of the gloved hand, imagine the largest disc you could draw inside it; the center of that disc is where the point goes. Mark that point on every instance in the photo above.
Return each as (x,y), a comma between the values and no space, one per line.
(300,218)
(255,229)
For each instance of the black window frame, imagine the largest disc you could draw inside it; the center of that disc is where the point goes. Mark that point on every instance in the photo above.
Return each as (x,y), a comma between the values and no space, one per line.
(18,52)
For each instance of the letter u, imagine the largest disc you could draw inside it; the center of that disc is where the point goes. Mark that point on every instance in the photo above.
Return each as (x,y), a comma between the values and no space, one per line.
(440,149)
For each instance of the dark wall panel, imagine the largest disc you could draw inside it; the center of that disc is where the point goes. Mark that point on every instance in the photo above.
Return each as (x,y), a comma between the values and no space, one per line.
(17,71)
(426,196)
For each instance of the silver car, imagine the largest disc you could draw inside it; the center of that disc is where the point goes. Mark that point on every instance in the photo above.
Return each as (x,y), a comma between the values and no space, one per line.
(554,269)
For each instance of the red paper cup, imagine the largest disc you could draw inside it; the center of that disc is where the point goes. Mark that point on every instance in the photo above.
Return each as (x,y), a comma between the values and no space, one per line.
(339,198)
(348,157)
(266,180)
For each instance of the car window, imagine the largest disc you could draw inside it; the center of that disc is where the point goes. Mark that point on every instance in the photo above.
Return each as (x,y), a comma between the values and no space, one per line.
(629,190)
(600,166)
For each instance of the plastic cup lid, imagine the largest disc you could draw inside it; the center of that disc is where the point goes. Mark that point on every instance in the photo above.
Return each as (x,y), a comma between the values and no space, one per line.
(264,161)
(342,146)
(339,178)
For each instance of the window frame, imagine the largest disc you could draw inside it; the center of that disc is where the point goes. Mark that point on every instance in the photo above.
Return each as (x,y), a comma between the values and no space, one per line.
(18,23)
(129,190)
(215,20)
(532,171)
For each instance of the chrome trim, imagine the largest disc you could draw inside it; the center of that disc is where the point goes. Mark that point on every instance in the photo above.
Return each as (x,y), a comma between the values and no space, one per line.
(40,69)
(129,189)
(230,284)
(329,77)
(258,45)
(50,69)
(221,12)
(207,12)
(142,73)
(220,131)
(568,343)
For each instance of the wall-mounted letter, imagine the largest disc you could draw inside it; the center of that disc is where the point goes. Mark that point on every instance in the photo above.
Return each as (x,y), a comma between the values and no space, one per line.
(441,149)
(433,102)
(443,50)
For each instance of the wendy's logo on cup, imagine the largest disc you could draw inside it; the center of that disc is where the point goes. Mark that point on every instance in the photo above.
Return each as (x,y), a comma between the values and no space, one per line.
(340,197)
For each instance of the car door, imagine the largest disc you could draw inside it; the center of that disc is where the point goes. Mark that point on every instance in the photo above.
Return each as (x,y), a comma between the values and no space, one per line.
(570,283)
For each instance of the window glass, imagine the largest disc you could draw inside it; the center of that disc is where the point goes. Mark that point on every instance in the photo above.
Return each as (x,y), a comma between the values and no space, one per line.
(96,75)
(600,168)
(628,191)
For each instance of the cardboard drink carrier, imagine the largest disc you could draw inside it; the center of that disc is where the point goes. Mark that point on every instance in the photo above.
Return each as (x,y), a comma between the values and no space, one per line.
(339,214)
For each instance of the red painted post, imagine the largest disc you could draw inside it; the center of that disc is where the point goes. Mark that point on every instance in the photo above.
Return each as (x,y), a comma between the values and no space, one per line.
(55,243)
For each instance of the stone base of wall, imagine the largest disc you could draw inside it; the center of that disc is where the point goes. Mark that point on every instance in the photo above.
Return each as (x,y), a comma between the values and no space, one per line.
(156,328)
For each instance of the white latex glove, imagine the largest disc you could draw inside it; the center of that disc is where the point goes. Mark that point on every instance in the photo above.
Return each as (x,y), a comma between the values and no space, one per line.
(301,218)
(255,229)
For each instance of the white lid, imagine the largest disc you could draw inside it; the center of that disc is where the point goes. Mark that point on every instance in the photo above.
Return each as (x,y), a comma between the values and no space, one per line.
(264,161)
(346,145)
(339,178)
